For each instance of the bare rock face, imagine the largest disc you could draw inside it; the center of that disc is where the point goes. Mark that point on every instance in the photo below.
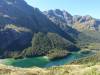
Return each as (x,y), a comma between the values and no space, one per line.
(86,23)
(59,17)
(63,18)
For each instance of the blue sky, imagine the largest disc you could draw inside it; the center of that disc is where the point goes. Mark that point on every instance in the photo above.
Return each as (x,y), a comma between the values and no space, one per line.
(75,7)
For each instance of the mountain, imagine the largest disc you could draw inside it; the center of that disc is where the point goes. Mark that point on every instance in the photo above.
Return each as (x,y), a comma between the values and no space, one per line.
(23,15)
(19,23)
(84,29)
(80,23)
(25,31)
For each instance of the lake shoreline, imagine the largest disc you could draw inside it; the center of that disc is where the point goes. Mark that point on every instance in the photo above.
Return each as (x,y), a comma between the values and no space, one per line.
(42,61)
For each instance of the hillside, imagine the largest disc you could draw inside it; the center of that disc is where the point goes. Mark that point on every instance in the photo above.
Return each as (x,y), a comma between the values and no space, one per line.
(30,39)
(19,22)
(93,59)
(61,70)
(25,31)
(64,18)
(73,25)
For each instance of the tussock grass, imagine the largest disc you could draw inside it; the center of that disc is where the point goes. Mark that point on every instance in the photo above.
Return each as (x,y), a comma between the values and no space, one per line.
(58,70)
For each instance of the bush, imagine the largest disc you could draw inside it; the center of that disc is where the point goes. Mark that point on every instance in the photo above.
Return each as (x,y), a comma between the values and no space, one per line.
(57,54)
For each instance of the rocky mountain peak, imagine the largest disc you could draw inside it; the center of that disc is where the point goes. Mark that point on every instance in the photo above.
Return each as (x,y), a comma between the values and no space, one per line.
(78,22)
(59,15)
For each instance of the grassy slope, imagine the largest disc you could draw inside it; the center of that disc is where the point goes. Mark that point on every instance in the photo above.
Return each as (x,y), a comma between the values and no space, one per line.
(90,60)
(77,68)
(61,70)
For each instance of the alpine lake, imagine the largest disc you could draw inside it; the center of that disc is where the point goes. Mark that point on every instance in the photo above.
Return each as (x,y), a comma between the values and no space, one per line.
(43,61)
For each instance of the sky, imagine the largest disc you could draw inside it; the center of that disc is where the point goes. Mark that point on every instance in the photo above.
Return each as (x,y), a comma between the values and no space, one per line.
(75,7)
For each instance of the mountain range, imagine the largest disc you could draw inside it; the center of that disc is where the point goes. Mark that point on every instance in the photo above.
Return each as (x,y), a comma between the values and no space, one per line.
(78,22)
(26,31)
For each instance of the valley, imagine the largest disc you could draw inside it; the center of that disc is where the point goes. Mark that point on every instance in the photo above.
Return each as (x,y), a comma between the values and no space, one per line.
(50,42)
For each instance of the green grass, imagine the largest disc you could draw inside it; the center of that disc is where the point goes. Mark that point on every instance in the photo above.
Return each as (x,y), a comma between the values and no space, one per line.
(93,59)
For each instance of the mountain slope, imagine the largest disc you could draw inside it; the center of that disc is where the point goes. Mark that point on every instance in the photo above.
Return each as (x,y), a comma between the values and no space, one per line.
(21,23)
(73,25)
(18,24)
(78,22)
